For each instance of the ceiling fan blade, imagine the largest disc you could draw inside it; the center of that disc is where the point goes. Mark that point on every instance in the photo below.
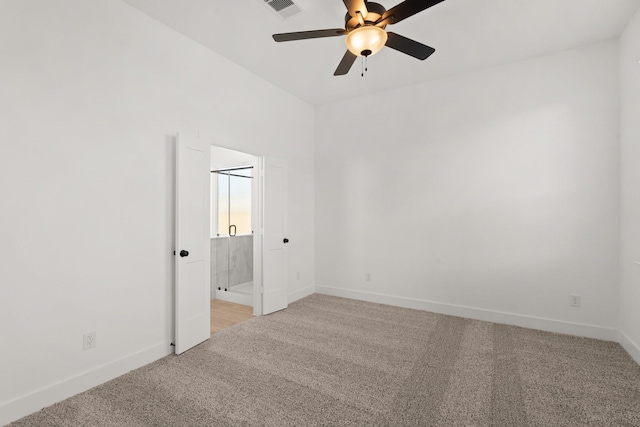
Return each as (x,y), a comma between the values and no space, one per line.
(354,6)
(302,35)
(345,65)
(408,8)
(408,46)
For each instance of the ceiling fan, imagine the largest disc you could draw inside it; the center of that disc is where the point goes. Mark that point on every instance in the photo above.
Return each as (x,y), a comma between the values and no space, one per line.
(365,25)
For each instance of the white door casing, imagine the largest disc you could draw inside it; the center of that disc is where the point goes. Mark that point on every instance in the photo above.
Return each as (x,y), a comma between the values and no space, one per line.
(192,259)
(274,235)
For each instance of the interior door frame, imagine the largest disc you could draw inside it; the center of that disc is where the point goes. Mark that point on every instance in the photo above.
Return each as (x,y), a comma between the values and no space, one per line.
(256,223)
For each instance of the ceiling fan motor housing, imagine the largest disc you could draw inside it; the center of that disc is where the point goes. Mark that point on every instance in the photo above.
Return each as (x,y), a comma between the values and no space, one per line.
(374,12)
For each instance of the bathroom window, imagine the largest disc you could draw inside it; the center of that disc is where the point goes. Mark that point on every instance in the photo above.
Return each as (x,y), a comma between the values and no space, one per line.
(231,205)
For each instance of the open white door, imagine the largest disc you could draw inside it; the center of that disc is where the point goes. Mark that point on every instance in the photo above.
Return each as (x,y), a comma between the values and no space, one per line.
(274,239)
(192,321)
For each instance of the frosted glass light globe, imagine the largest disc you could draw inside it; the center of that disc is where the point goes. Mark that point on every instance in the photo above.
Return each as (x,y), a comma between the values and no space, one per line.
(366,41)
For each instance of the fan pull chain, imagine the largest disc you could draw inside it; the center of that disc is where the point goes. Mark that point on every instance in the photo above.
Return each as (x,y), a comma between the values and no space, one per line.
(365,66)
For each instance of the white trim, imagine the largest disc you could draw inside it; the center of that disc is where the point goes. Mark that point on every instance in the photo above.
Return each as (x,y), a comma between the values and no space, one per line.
(302,293)
(256,223)
(630,346)
(48,395)
(235,297)
(550,325)
(213,209)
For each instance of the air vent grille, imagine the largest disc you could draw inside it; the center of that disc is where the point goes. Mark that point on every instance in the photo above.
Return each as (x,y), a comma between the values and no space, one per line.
(278,5)
(284,8)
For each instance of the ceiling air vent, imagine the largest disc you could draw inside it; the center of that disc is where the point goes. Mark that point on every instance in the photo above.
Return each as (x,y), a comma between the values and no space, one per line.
(284,8)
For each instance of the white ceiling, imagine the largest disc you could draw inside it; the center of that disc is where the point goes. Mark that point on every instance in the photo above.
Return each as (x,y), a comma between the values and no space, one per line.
(467,35)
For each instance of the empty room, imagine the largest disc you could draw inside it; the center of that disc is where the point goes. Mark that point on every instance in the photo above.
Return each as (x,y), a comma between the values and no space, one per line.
(442,223)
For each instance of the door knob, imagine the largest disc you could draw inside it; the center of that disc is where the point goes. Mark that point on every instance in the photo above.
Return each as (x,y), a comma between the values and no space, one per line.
(184,253)
(285,240)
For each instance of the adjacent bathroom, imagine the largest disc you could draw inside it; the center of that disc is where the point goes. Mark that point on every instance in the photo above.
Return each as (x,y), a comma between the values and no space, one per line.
(232,223)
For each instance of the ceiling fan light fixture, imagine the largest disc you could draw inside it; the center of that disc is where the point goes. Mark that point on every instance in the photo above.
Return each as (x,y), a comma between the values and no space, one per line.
(364,26)
(366,40)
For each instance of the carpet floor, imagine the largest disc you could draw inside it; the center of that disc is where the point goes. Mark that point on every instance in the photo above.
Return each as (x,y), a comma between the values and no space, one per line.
(328,361)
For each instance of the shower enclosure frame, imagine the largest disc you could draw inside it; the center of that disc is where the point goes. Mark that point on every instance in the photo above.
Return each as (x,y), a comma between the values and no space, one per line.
(220,168)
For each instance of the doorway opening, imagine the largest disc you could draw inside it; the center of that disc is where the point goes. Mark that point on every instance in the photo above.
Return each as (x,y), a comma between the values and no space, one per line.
(234,226)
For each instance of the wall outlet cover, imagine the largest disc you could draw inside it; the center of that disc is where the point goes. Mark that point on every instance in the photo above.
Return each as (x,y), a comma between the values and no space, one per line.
(576,301)
(89,340)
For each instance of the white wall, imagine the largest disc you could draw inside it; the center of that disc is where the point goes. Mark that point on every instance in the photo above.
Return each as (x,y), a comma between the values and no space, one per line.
(491,195)
(92,93)
(630,188)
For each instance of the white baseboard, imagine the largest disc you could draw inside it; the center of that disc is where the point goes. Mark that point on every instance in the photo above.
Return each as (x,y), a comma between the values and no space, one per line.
(248,299)
(47,396)
(630,346)
(578,329)
(302,293)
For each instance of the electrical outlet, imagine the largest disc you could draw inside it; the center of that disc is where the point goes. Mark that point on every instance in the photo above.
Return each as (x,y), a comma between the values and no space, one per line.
(367,277)
(89,340)
(298,275)
(576,301)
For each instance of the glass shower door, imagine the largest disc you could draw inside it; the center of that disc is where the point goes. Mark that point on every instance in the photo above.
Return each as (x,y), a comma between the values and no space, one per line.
(234,245)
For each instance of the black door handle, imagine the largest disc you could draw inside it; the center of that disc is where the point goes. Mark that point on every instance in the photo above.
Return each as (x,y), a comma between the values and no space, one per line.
(285,240)
(184,253)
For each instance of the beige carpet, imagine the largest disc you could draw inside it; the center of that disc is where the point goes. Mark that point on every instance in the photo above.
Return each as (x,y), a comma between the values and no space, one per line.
(329,361)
